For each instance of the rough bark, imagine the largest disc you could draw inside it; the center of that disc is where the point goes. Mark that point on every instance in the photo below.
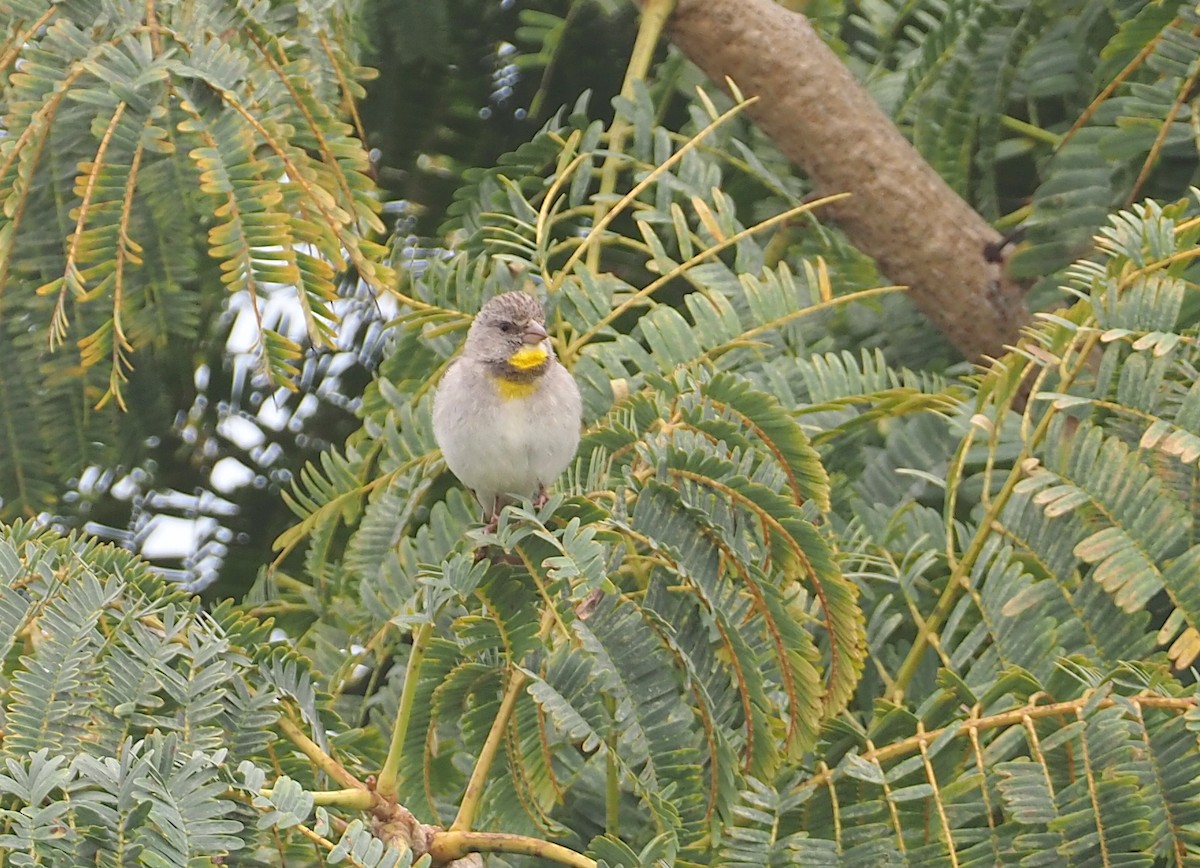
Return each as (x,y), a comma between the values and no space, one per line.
(901,213)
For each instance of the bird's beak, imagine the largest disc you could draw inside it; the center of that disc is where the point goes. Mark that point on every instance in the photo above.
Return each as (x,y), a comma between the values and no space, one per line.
(535,333)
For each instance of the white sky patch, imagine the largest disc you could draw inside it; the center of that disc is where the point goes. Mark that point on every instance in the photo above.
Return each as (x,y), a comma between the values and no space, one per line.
(169,536)
(194,533)
(241,431)
(274,414)
(229,474)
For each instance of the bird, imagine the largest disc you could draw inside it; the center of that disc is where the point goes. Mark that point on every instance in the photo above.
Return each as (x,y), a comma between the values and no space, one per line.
(507,414)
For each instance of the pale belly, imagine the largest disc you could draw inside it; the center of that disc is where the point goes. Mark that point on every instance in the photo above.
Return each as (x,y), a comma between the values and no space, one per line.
(515,445)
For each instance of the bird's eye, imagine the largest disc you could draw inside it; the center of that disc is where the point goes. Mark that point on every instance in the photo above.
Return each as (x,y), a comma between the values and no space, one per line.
(507,327)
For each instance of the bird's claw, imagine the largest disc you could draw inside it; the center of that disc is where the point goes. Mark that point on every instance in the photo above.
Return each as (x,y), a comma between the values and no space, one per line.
(542,496)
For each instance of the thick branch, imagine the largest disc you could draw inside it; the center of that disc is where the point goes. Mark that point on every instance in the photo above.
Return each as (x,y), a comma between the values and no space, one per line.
(918,230)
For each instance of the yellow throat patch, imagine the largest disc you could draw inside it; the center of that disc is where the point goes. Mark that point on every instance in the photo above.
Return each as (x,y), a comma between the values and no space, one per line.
(524,359)
(528,357)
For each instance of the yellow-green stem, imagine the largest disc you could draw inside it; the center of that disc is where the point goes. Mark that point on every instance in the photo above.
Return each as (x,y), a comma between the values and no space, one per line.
(353,799)
(487,755)
(654,17)
(319,758)
(593,237)
(1031,131)
(612,790)
(1013,219)
(954,584)
(571,349)
(386,785)
(906,746)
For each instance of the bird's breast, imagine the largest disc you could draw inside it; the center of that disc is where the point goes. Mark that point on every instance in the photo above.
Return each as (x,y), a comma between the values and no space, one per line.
(512,390)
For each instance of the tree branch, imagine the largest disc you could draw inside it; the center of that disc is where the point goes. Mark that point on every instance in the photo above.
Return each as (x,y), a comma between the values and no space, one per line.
(901,212)
(453,845)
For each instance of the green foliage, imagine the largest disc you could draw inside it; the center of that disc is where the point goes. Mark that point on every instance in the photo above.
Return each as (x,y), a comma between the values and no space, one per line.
(793,604)
(696,498)
(847,623)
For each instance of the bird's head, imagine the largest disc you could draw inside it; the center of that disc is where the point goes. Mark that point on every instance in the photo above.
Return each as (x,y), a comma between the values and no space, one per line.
(510,333)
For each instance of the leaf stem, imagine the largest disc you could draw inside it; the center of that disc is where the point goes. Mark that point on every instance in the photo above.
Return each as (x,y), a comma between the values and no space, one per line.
(612,788)
(352,798)
(958,580)
(596,232)
(912,744)
(576,344)
(1031,131)
(386,785)
(487,755)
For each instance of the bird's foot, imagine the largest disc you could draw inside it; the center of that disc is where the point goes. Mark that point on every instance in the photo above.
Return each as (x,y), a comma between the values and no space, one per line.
(542,497)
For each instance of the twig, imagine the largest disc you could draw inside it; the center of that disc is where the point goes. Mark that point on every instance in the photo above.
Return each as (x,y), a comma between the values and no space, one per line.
(320,759)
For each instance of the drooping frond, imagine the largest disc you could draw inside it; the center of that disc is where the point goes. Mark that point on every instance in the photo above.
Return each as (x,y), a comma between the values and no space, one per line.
(153,153)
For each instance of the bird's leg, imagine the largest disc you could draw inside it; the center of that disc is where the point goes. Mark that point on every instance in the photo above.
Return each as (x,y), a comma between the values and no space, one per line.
(492,517)
(491,520)
(490,525)
(541,497)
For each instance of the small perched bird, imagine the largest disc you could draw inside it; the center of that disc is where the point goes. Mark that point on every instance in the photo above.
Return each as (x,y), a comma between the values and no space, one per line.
(507,413)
